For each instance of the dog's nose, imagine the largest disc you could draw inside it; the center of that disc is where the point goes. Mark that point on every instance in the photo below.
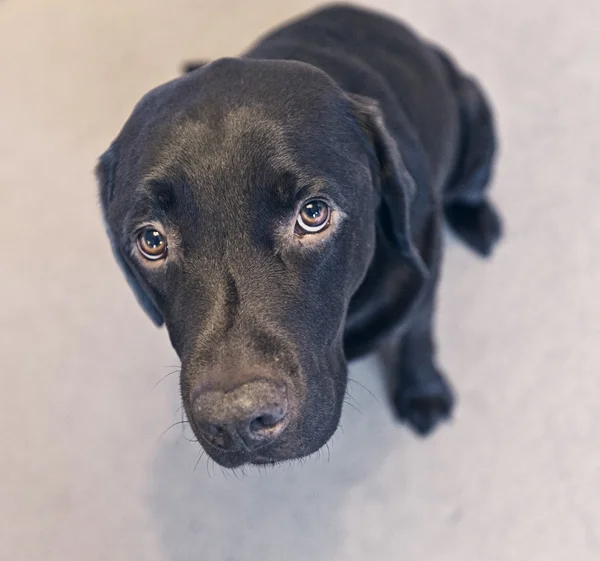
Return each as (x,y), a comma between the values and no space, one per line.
(254,413)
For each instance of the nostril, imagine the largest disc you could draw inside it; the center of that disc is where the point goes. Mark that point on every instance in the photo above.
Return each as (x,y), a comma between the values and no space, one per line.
(264,422)
(267,422)
(216,434)
(258,424)
(212,430)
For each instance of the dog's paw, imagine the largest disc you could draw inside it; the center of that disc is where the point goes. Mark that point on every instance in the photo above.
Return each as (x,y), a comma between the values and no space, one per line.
(479,226)
(423,406)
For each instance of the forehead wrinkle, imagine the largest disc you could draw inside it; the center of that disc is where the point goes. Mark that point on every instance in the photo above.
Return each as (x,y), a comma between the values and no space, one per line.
(196,146)
(143,207)
(254,160)
(153,200)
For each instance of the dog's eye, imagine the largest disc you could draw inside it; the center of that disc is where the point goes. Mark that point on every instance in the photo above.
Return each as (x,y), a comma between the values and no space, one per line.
(152,244)
(314,217)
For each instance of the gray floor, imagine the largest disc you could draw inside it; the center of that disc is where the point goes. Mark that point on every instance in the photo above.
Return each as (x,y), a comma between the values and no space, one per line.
(83,472)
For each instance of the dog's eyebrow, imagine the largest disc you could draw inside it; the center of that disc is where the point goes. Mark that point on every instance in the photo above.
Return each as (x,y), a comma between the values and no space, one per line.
(285,186)
(291,187)
(154,195)
(162,194)
(312,189)
(153,200)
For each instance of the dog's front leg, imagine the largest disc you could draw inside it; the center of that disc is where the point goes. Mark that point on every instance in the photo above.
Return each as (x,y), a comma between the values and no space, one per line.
(421,395)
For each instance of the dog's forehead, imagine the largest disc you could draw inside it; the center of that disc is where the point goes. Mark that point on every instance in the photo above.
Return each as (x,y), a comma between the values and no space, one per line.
(290,91)
(238,117)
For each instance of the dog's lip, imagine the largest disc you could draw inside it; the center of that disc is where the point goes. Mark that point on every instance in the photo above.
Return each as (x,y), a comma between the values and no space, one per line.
(235,458)
(228,458)
(264,462)
(240,457)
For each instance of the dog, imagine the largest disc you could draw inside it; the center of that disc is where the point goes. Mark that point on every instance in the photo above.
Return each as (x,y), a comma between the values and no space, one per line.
(282,214)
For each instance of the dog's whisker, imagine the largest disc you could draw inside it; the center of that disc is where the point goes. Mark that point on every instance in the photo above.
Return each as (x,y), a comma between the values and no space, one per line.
(208,462)
(193,439)
(350,404)
(348,394)
(365,388)
(184,423)
(199,458)
(165,377)
(176,423)
(225,475)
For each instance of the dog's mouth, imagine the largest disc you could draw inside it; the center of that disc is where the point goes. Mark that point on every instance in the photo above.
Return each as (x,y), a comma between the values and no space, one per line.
(263,461)
(289,446)
(238,458)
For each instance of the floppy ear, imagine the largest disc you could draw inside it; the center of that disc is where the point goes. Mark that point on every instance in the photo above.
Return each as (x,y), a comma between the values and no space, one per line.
(105,173)
(396,184)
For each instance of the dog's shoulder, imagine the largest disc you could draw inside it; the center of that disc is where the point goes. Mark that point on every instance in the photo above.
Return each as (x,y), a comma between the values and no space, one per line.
(345,32)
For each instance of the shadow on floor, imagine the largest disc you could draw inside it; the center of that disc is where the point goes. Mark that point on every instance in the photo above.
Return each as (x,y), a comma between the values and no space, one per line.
(288,513)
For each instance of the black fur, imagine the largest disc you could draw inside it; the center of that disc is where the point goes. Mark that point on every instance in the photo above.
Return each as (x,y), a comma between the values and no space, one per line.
(344,104)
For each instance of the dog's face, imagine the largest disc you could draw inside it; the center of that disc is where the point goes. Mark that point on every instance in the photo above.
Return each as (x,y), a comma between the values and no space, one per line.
(241,201)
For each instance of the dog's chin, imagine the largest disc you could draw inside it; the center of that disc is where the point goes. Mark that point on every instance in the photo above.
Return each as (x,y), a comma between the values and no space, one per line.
(233,460)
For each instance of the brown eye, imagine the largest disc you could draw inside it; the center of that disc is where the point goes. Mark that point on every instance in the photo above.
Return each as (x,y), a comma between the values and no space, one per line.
(313,217)
(152,244)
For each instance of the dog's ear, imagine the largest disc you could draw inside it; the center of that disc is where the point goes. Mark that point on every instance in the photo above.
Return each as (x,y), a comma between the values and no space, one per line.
(396,184)
(105,173)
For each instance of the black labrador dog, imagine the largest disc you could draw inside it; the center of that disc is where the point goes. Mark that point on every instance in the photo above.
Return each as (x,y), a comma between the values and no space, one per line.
(282,213)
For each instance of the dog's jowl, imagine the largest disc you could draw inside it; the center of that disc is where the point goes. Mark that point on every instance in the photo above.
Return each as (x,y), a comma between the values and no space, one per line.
(281,213)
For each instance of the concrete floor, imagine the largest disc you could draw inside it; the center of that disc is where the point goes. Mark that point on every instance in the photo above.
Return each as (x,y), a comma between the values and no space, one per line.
(83,472)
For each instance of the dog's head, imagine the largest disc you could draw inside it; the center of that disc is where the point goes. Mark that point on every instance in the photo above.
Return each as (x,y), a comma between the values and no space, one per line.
(241,201)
